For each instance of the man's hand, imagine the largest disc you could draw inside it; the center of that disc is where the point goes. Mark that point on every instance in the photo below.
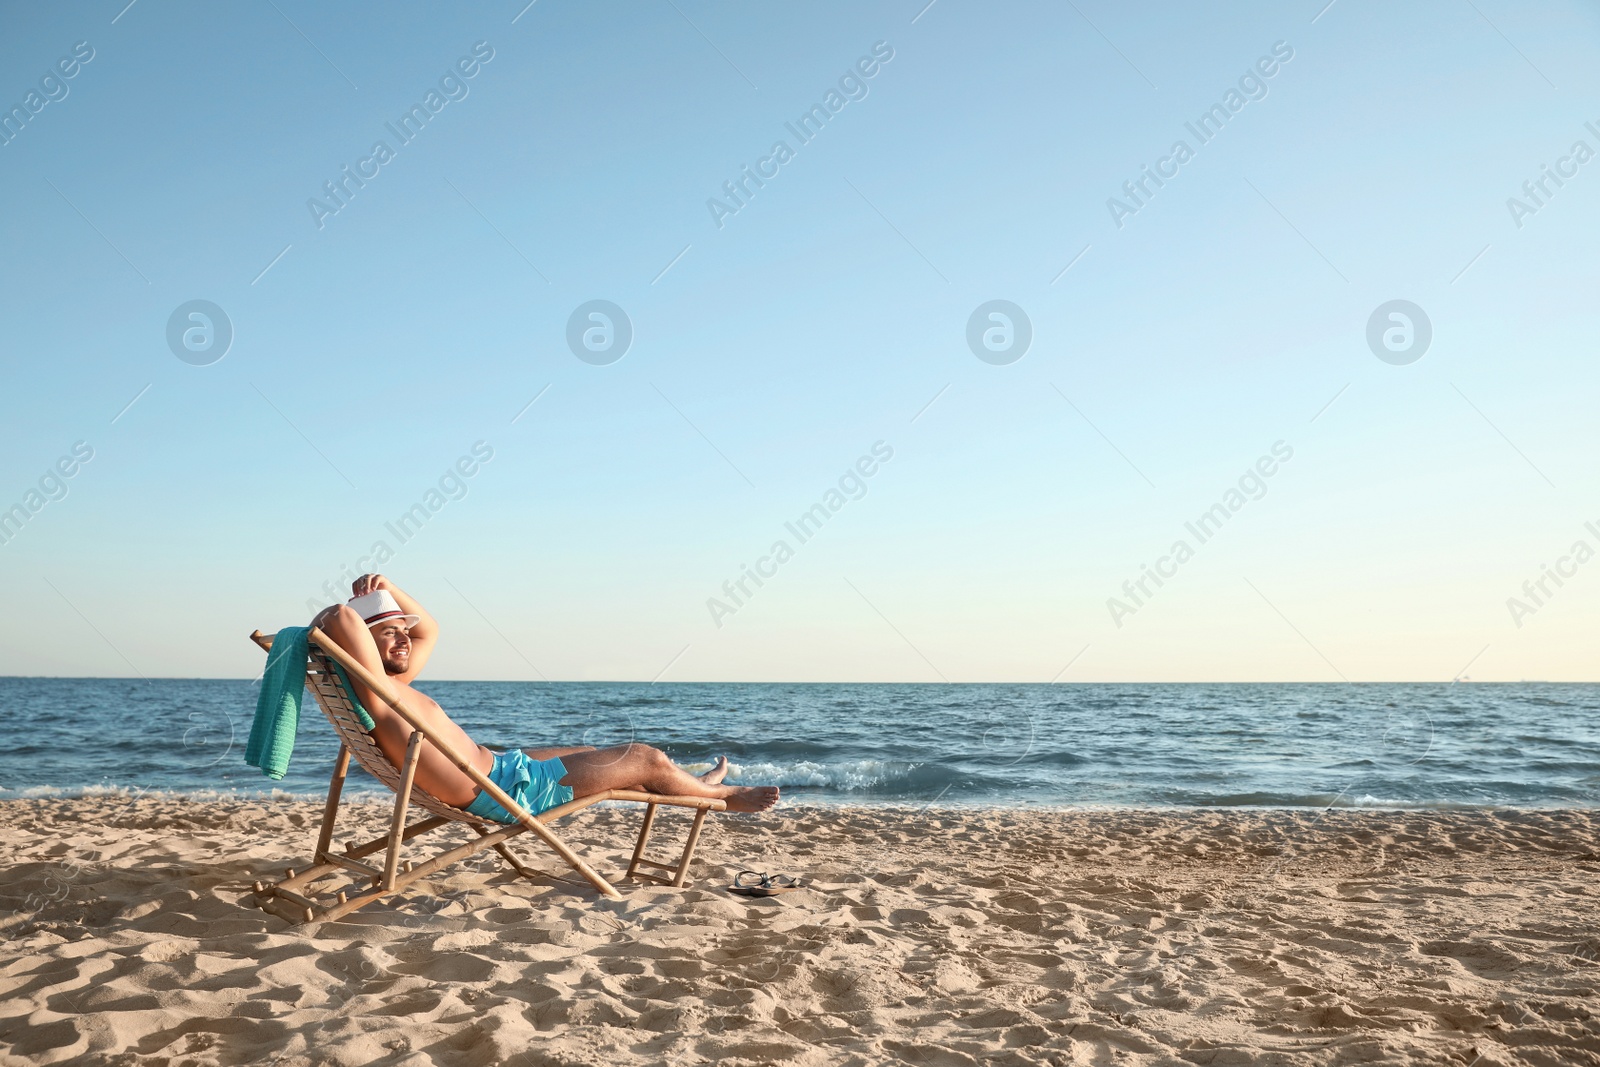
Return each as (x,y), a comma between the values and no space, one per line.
(424,632)
(369,583)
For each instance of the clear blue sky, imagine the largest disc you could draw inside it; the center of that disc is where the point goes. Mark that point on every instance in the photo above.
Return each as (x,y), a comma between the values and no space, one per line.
(771,352)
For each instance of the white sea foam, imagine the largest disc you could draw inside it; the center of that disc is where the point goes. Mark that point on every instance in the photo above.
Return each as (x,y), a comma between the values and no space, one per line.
(849,774)
(1367,800)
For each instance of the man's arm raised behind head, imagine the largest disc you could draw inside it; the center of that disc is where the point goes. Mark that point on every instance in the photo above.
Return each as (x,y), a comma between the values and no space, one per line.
(341,623)
(424,635)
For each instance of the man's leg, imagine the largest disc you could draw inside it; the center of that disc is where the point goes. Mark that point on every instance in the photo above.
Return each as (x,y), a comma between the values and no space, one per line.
(642,767)
(550,753)
(714,776)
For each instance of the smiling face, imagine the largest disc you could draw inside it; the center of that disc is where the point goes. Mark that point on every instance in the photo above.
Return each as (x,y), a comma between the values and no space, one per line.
(394,646)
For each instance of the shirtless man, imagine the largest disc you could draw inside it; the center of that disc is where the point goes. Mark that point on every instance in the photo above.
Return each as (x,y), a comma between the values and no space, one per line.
(390,634)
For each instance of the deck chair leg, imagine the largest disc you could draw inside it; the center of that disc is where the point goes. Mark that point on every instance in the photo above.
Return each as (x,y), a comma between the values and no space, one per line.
(520,868)
(341,767)
(402,800)
(688,848)
(679,874)
(505,854)
(644,835)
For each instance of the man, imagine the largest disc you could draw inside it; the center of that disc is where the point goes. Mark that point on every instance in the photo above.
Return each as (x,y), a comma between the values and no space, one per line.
(390,634)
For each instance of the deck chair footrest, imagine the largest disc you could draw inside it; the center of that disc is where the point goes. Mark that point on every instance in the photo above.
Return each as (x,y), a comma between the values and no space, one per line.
(291,895)
(283,910)
(642,876)
(366,870)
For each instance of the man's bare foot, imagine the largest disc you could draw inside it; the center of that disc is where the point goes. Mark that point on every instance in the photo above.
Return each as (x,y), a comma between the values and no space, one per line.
(751,797)
(716,774)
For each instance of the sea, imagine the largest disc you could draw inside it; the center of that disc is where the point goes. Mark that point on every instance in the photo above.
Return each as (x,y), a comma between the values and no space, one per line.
(1525,745)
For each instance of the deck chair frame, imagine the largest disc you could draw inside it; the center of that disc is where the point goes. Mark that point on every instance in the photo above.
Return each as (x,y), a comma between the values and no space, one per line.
(294,898)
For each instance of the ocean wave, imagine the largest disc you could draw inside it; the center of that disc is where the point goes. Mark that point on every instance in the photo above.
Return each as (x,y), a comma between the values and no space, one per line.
(132,793)
(1324,801)
(850,775)
(1071,759)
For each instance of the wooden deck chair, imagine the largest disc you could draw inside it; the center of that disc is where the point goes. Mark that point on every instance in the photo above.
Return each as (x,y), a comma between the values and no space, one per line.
(293,898)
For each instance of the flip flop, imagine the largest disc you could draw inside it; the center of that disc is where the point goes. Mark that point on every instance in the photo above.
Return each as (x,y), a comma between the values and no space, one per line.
(763,886)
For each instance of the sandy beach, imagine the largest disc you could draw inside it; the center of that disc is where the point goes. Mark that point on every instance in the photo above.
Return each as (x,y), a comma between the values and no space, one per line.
(927,937)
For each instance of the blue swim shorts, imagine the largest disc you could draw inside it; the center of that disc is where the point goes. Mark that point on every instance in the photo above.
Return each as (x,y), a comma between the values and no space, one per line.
(535,784)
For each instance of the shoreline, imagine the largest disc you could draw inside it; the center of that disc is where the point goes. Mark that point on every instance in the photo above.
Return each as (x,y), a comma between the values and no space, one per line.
(373,794)
(361,793)
(380,797)
(924,935)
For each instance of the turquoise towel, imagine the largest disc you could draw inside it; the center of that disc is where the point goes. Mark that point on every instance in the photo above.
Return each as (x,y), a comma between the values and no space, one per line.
(361,712)
(278,705)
